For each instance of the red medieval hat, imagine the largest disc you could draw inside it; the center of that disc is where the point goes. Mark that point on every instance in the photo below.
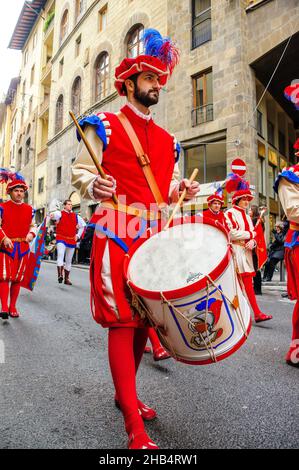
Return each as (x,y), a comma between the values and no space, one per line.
(215,197)
(242,193)
(12,179)
(160,56)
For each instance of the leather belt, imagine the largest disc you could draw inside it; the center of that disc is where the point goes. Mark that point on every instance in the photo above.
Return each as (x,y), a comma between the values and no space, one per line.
(143,160)
(294,226)
(142,213)
(18,239)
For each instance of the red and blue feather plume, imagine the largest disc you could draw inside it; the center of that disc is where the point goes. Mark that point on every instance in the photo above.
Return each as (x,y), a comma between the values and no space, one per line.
(7,175)
(162,48)
(234,183)
(291,93)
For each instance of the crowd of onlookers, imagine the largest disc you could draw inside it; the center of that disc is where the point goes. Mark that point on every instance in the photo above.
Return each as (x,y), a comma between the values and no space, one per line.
(275,248)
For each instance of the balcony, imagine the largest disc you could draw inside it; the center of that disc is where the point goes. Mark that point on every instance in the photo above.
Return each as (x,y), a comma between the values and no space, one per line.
(49,25)
(202,114)
(46,73)
(42,155)
(44,108)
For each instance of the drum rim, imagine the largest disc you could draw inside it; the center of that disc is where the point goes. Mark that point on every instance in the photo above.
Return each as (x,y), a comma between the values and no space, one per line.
(187,290)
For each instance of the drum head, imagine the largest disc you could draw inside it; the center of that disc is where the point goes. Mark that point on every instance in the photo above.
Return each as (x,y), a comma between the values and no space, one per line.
(178,257)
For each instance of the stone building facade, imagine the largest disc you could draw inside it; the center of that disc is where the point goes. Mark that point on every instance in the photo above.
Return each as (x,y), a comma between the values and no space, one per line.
(103,29)
(217,98)
(216,103)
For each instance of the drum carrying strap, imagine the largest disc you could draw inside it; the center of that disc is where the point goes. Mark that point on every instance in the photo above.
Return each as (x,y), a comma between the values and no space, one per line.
(143,159)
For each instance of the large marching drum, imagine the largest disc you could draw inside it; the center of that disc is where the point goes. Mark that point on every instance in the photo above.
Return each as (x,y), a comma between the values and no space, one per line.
(185,279)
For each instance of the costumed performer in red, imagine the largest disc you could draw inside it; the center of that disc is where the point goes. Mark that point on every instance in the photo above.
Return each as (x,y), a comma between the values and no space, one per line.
(140,199)
(16,232)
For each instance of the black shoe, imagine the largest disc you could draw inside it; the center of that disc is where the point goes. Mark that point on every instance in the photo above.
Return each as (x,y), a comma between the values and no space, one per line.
(284,295)
(4,315)
(258,293)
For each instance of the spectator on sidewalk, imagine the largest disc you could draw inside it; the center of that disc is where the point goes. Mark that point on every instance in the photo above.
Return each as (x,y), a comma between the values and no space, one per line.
(276,251)
(257,280)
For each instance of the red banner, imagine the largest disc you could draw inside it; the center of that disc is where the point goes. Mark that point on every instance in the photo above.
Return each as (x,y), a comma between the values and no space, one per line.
(261,247)
(37,248)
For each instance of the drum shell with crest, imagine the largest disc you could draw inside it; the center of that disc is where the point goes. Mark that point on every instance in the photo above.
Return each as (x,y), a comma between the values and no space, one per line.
(186,278)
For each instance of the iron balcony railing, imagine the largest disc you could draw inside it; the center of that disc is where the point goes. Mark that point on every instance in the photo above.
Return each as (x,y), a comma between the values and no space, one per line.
(202,114)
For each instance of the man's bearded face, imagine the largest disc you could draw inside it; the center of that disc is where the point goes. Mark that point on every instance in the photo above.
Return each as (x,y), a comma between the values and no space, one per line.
(147,89)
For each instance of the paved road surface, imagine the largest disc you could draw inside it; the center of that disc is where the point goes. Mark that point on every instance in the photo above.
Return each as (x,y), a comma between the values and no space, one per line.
(56,390)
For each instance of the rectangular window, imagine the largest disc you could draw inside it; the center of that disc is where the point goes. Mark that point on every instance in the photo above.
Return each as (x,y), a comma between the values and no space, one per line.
(30,105)
(78,46)
(58,175)
(202,98)
(261,175)
(271,133)
(259,124)
(201,22)
(40,185)
(27,153)
(25,57)
(103,18)
(272,173)
(80,9)
(32,75)
(61,63)
(209,159)
(19,161)
(281,143)
(292,158)
(34,40)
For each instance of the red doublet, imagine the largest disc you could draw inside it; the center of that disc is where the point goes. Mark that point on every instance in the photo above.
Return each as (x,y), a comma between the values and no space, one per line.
(66,229)
(218,217)
(111,234)
(16,222)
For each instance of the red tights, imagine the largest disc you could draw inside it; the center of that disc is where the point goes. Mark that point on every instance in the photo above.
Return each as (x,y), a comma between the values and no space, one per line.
(125,349)
(4,293)
(247,281)
(154,339)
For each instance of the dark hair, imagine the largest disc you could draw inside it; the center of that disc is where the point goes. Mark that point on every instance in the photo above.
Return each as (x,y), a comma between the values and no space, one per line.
(255,211)
(134,80)
(66,201)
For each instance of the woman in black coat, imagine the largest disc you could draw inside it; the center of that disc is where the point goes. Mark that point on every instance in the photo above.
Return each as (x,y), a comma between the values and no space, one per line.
(276,251)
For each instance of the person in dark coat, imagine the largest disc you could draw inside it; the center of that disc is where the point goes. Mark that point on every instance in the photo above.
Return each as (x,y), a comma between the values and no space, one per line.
(254,213)
(276,251)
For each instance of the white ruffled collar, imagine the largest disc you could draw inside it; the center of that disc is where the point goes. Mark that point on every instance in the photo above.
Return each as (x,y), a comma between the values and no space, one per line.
(146,117)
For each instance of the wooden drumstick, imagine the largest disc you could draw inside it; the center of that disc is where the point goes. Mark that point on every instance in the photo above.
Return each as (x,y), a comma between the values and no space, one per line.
(180,201)
(91,153)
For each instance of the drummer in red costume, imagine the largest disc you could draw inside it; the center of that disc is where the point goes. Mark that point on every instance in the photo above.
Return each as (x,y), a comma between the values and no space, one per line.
(140,79)
(69,229)
(242,234)
(16,232)
(287,187)
(215,203)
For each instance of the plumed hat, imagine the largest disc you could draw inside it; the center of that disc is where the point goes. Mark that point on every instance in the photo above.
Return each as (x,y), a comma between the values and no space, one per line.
(160,56)
(12,179)
(235,184)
